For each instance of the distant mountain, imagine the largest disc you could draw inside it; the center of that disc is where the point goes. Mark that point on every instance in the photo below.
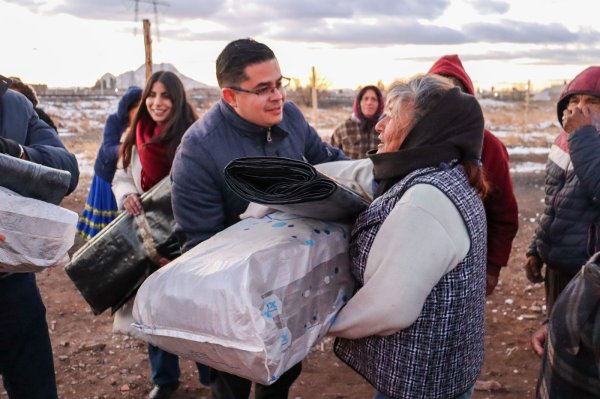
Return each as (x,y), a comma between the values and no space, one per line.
(109,81)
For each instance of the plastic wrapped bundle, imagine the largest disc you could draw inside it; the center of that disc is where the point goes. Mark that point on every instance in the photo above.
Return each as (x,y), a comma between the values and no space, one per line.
(33,180)
(294,187)
(253,299)
(34,234)
(110,267)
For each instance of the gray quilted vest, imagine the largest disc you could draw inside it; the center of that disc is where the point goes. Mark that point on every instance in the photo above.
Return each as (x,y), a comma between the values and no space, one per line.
(441,354)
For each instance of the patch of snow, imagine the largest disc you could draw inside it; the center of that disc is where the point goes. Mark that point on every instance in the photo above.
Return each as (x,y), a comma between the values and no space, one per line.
(546,125)
(488,102)
(86,168)
(527,150)
(538,135)
(528,167)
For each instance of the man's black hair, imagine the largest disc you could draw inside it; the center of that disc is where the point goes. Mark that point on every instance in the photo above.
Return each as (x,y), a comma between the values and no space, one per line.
(236,56)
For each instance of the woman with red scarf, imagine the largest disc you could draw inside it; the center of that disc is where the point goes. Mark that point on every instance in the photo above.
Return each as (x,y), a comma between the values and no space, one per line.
(149,146)
(145,158)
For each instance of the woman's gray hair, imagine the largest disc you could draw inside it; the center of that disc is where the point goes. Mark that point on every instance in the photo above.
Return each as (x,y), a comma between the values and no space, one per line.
(423,91)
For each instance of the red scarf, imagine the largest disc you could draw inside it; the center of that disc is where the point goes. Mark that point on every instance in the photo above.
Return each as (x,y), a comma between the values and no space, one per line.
(153,156)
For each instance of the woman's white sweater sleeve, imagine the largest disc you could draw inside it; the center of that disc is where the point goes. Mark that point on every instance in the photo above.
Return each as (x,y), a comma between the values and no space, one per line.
(422,239)
(123,184)
(354,174)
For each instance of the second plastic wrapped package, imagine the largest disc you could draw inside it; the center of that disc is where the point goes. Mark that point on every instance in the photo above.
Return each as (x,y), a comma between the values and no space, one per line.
(253,299)
(34,234)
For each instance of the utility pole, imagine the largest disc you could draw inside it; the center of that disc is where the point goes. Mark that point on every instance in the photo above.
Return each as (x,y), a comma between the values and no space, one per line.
(148,48)
(527,94)
(313,81)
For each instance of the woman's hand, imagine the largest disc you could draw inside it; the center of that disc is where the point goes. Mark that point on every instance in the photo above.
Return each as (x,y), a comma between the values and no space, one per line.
(132,204)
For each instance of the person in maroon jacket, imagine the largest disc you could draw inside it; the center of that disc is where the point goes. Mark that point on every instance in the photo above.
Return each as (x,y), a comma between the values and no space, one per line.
(500,204)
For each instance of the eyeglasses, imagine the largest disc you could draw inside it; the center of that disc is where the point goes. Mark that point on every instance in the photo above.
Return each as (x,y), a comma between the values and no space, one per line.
(267,91)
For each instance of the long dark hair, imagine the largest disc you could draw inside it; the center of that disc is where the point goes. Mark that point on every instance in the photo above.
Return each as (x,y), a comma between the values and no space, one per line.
(477,179)
(367,124)
(18,85)
(182,116)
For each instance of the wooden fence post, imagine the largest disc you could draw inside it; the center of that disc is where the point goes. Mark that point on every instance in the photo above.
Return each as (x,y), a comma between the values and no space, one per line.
(315,106)
(148,48)
(527,94)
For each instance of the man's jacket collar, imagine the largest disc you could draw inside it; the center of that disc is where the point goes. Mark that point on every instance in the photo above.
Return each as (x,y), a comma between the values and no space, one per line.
(247,128)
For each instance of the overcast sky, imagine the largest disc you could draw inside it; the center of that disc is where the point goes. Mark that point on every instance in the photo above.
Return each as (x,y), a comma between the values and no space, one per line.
(351,43)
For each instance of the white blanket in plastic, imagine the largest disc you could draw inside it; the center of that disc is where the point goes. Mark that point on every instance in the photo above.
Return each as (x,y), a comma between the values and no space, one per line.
(253,299)
(34,234)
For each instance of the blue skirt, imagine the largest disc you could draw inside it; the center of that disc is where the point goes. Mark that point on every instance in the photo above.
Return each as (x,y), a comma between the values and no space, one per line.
(100,208)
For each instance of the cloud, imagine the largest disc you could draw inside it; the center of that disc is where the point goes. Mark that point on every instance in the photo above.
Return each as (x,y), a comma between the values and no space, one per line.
(541,56)
(340,34)
(238,9)
(118,10)
(489,6)
(340,23)
(392,32)
(519,32)
(388,32)
(551,56)
(31,4)
(346,9)
(191,9)
(227,34)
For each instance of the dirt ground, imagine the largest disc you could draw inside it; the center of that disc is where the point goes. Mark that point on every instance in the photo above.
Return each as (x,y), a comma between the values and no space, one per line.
(91,363)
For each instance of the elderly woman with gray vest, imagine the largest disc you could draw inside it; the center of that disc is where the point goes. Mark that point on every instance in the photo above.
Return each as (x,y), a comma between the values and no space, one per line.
(415,327)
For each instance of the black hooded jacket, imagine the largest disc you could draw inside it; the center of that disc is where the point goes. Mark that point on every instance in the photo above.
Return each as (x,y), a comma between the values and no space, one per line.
(569,229)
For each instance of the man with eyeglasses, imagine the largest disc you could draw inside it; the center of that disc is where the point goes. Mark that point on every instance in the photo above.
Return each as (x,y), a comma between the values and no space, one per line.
(251,119)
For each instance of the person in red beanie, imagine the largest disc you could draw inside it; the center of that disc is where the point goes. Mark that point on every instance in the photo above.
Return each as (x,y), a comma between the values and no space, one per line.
(568,232)
(500,204)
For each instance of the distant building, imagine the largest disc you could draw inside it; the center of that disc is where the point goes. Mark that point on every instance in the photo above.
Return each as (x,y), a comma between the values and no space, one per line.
(550,93)
(107,83)
(40,89)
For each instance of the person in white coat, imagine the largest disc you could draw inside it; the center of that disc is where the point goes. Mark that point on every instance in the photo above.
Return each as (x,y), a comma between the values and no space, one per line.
(145,158)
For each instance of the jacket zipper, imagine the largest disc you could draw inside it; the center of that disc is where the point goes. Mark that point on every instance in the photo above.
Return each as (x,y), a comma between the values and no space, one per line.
(269,138)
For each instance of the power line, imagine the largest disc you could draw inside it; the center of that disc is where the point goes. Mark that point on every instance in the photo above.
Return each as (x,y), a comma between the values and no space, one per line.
(155,4)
